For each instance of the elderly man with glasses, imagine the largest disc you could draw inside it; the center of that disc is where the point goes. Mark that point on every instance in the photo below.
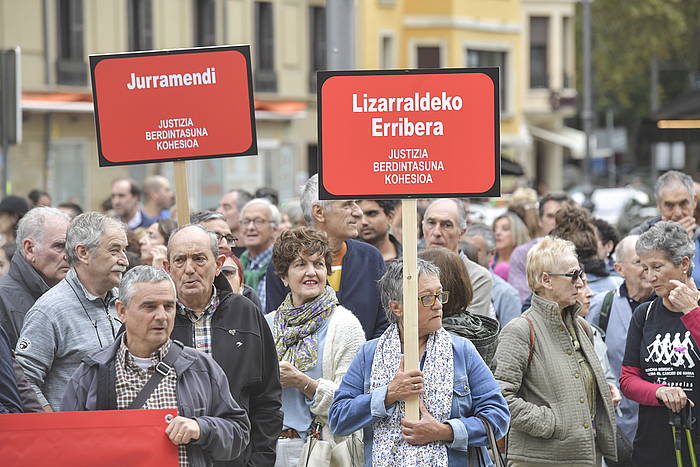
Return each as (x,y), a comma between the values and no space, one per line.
(259,224)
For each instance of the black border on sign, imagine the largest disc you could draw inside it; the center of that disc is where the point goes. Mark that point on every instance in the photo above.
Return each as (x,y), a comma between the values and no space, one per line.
(242,49)
(491,72)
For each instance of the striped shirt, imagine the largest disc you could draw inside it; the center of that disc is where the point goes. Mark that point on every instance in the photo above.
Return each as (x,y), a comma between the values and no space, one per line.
(201,328)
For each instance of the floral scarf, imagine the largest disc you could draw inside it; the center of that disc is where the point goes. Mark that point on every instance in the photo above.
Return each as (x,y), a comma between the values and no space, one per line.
(389,447)
(294,329)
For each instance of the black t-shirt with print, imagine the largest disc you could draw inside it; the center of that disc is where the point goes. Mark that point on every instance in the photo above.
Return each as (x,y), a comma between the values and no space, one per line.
(661,345)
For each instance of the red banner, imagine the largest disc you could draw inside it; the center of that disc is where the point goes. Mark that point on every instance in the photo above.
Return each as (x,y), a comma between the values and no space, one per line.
(107,438)
(409,133)
(173,105)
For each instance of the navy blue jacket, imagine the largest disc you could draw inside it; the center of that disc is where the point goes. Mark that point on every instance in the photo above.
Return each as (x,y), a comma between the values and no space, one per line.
(363,266)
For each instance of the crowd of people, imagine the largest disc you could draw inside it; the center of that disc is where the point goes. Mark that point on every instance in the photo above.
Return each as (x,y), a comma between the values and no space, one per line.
(273,327)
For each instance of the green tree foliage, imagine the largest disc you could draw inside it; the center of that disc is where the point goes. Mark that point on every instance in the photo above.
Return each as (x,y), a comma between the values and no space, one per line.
(627,35)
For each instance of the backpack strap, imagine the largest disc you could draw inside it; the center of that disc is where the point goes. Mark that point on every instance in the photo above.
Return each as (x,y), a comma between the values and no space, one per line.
(605,311)
(532,339)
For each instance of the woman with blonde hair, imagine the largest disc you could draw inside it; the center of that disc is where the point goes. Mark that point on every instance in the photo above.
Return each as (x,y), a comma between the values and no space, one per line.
(510,231)
(549,373)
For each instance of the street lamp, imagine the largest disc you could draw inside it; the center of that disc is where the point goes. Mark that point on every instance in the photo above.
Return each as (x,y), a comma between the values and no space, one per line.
(587,112)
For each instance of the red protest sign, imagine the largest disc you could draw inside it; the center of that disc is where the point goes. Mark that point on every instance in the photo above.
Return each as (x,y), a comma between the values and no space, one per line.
(103,438)
(409,133)
(173,105)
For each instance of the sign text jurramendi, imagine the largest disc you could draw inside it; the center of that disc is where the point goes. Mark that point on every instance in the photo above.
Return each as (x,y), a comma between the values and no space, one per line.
(419,102)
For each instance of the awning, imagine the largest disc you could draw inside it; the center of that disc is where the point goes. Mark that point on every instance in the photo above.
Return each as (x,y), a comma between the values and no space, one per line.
(81,102)
(572,139)
(509,167)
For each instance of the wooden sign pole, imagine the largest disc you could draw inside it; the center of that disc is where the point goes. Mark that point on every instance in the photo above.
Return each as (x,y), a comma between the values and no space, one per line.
(409,221)
(181,199)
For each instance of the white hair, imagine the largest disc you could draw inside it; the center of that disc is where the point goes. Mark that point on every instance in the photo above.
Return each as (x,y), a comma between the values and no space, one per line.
(33,224)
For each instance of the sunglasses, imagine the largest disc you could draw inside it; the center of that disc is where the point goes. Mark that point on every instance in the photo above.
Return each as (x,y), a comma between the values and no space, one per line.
(576,275)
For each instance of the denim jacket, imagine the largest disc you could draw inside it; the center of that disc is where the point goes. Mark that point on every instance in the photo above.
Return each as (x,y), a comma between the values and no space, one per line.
(475,391)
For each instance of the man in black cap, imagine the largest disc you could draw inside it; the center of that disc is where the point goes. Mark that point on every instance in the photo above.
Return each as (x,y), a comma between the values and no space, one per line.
(12,209)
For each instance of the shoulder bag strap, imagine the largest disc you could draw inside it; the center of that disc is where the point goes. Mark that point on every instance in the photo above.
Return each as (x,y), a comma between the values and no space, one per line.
(497,457)
(532,339)
(163,367)
(586,328)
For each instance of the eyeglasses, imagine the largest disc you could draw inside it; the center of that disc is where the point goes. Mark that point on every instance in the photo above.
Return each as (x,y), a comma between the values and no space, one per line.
(257,221)
(230,239)
(445,226)
(576,275)
(429,300)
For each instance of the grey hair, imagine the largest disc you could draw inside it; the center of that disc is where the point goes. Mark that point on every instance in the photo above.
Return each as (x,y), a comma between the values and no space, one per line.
(275,216)
(670,238)
(620,248)
(87,229)
(32,225)
(461,212)
(478,229)
(243,197)
(139,274)
(213,241)
(205,215)
(309,198)
(391,284)
(673,176)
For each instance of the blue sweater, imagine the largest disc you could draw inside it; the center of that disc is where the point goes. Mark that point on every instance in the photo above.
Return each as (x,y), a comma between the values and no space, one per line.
(363,266)
(475,391)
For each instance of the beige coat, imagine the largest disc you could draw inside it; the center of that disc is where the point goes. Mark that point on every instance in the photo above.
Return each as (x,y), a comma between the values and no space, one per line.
(550,420)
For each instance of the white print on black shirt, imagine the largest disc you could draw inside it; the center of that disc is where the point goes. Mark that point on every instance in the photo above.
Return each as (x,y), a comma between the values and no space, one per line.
(674,352)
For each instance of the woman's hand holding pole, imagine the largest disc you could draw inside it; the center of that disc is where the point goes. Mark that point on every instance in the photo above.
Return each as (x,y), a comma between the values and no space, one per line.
(404,385)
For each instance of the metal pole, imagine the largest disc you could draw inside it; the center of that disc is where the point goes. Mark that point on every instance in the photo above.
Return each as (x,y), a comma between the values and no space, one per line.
(610,125)
(340,34)
(654,104)
(587,114)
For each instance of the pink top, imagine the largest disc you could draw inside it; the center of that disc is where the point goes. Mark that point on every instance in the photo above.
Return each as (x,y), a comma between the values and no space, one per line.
(501,269)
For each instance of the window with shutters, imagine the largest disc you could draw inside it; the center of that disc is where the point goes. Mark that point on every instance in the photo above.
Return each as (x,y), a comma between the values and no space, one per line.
(71,68)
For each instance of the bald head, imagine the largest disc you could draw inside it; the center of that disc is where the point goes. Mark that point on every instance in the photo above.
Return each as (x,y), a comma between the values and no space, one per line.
(625,248)
(443,224)
(628,266)
(193,263)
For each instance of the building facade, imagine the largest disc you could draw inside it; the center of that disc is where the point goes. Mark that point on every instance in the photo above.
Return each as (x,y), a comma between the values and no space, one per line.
(59,150)
(532,41)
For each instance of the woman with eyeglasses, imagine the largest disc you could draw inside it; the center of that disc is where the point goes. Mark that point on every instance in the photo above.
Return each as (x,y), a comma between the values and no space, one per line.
(316,339)
(453,383)
(661,367)
(561,404)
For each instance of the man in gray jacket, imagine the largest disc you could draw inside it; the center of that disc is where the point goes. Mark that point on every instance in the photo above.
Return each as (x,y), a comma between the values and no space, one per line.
(73,319)
(210,425)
